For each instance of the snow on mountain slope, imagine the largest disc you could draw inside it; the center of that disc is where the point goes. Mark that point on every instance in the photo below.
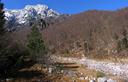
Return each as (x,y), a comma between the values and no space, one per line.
(22,16)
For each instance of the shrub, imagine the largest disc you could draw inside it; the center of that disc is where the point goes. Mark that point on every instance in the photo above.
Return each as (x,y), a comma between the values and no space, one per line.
(100,74)
(11,59)
(122,43)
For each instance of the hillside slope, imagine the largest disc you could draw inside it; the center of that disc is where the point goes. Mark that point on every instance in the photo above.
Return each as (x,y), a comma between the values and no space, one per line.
(94,31)
(98,32)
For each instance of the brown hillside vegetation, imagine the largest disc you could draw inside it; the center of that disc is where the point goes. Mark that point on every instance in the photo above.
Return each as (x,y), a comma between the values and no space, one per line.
(99,32)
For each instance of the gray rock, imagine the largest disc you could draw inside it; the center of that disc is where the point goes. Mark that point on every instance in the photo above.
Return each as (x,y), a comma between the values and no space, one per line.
(82,78)
(92,81)
(50,70)
(102,79)
(9,79)
(86,78)
(110,80)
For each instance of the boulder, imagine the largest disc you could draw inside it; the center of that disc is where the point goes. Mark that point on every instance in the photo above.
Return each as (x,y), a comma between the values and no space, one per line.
(102,79)
(110,80)
(92,81)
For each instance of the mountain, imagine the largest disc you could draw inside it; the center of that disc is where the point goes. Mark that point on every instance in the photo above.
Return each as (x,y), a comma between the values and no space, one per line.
(95,32)
(28,13)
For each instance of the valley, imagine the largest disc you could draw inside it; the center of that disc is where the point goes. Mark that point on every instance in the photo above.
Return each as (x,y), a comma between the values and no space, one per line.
(39,44)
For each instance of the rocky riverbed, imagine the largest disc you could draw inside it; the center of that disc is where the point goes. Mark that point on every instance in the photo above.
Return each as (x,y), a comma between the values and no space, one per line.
(116,69)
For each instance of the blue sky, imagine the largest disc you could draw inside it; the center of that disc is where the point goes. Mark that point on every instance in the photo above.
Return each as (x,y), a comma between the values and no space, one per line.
(69,6)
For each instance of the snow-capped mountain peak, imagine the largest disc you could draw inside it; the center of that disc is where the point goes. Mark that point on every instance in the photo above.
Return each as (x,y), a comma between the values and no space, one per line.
(22,16)
(37,7)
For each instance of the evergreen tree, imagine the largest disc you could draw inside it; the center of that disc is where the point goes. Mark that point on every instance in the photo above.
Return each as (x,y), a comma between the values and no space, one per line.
(2,30)
(36,45)
(10,54)
(2,20)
